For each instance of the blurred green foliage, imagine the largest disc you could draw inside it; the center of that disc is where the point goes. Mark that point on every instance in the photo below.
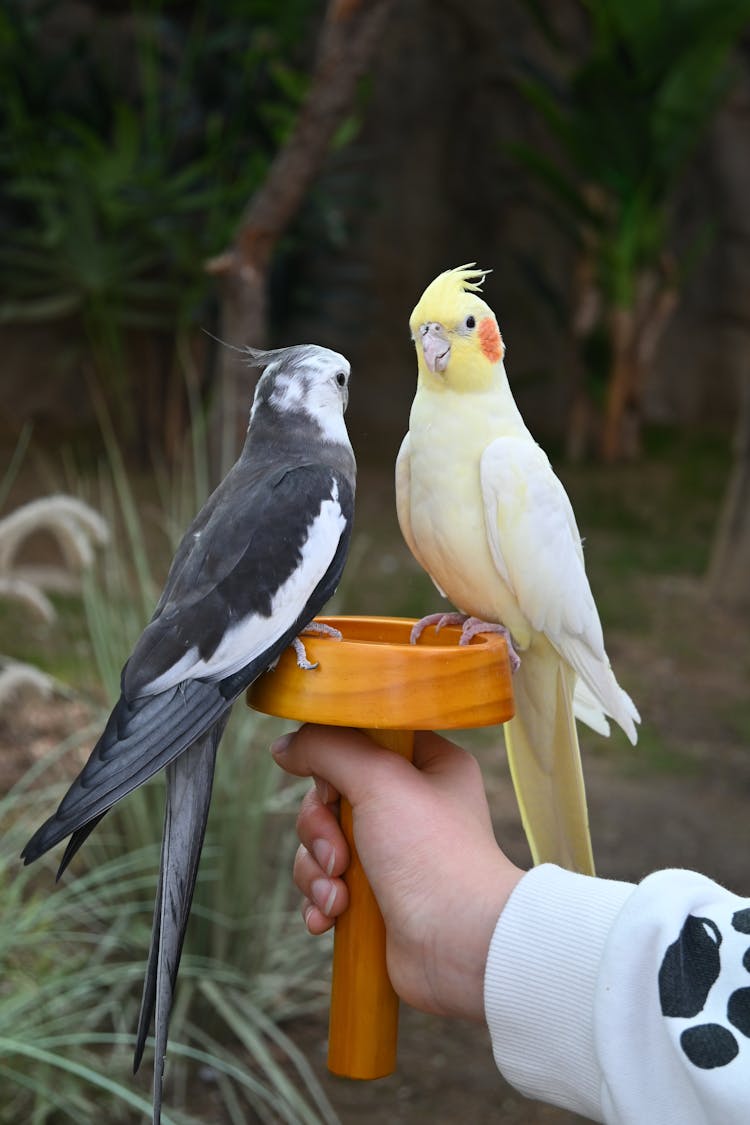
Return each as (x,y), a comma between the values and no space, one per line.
(626,118)
(129,143)
(624,113)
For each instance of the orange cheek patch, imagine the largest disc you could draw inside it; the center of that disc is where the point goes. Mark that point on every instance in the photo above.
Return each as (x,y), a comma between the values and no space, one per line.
(490,340)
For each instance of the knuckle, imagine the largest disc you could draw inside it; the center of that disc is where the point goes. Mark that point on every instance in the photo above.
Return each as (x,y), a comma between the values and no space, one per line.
(470,766)
(307,810)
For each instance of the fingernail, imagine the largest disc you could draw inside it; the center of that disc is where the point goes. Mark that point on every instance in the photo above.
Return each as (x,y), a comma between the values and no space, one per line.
(325,855)
(307,912)
(279,745)
(324,894)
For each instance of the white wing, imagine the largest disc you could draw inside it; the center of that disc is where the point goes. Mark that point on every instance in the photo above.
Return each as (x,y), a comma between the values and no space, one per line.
(254,633)
(535,543)
(587,708)
(536,547)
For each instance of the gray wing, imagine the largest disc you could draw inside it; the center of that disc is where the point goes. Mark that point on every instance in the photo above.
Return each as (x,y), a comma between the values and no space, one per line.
(225,638)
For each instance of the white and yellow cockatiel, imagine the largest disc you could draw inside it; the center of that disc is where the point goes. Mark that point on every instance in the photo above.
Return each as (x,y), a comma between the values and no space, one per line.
(482,511)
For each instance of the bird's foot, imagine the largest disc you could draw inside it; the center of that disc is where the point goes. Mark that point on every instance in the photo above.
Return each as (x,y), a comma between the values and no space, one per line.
(438,620)
(474,625)
(315,628)
(302,661)
(319,628)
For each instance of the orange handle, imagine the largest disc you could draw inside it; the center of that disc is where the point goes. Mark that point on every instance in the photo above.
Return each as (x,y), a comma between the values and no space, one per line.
(375,679)
(363,1047)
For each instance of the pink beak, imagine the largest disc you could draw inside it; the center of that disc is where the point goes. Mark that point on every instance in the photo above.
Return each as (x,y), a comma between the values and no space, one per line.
(435,346)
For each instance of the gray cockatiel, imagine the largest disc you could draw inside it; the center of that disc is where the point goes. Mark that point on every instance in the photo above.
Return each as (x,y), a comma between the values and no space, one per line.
(259,561)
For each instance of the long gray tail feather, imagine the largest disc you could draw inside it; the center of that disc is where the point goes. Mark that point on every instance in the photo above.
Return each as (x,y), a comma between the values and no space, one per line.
(189,784)
(138,741)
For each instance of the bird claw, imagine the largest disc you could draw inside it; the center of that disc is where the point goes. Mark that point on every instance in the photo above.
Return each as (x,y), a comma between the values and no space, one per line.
(320,629)
(302,661)
(470,627)
(474,625)
(315,628)
(436,619)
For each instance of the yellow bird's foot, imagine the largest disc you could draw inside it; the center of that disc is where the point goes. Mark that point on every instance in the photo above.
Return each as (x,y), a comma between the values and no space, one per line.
(314,628)
(438,620)
(474,625)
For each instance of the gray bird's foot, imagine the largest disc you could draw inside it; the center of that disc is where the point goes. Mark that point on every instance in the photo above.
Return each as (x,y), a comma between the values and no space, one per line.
(320,629)
(315,628)
(474,625)
(438,620)
(302,661)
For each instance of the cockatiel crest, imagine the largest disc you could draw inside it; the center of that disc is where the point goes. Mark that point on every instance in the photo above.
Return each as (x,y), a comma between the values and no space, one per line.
(455,332)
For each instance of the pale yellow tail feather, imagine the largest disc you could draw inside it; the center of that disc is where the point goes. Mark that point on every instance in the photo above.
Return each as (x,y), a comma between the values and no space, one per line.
(545,762)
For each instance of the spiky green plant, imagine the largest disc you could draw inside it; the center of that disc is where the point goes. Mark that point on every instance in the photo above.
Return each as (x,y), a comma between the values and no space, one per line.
(65,984)
(73,961)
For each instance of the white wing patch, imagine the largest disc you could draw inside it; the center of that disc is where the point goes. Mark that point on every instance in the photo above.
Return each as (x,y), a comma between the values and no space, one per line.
(535,543)
(252,635)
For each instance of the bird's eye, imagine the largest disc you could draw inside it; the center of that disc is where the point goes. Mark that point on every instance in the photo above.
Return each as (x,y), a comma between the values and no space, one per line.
(341,379)
(470,322)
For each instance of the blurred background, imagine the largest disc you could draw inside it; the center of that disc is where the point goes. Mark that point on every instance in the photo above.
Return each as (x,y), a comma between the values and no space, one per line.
(270,174)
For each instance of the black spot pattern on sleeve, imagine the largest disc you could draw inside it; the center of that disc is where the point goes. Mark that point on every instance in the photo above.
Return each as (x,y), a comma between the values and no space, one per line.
(738,1010)
(709,1045)
(741,921)
(690,968)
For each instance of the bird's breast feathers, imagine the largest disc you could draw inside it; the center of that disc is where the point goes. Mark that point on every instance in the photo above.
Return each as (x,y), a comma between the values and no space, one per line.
(446,511)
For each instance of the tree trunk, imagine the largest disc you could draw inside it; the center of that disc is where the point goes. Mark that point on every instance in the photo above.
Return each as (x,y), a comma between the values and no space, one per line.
(635,334)
(729,570)
(350,31)
(728,577)
(581,423)
(623,377)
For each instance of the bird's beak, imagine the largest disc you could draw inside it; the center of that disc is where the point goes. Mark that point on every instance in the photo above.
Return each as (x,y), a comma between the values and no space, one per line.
(435,346)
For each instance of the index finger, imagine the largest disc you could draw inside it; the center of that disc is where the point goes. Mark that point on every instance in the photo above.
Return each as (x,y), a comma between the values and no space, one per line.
(347,759)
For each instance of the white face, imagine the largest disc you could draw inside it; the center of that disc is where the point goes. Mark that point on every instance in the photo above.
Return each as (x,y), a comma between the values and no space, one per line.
(316,381)
(318,385)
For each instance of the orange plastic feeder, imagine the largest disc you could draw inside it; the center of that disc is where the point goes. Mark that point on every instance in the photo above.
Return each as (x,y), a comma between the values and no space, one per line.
(376,680)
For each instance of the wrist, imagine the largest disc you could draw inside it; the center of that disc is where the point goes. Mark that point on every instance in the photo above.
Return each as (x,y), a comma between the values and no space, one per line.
(459,962)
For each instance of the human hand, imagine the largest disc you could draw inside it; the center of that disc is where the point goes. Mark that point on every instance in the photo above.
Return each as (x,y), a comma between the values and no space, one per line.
(425,839)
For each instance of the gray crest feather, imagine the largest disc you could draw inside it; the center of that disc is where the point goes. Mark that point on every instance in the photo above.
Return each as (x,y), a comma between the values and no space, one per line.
(288,356)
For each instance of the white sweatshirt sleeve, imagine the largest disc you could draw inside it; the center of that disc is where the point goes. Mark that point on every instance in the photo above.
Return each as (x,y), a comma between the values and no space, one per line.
(627,1004)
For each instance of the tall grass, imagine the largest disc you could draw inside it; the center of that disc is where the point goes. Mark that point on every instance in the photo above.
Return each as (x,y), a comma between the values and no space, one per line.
(66,983)
(74,955)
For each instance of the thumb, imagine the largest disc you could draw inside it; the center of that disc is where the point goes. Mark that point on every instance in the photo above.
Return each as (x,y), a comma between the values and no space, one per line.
(440,758)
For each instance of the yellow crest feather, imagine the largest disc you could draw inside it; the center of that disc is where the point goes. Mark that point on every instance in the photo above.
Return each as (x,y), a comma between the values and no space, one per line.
(465,273)
(442,297)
